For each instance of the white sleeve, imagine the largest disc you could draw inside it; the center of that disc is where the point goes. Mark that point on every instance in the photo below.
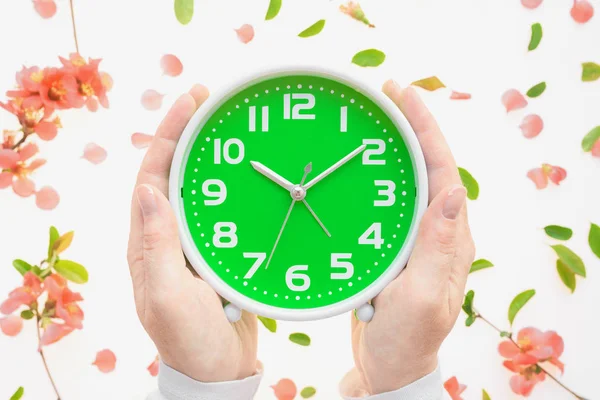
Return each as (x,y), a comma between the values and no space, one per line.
(428,387)
(173,385)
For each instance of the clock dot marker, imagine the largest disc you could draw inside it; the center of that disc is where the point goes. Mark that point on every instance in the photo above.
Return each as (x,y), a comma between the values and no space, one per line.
(227,270)
(330,293)
(376,263)
(389,246)
(395,150)
(359,278)
(255,288)
(343,96)
(370,114)
(350,284)
(382,254)
(368,271)
(195,169)
(299,86)
(394,236)
(212,254)
(237,106)
(267,91)
(332,91)
(310,86)
(288,86)
(403,204)
(220,262)
(246,100)
(265,292)
(404,193)
(307,297)
(194,191)
(377,122)
(277,88)
(236,277)
(287,297)
(275,295)
(398,226)
(361,106)
(202,149)
(214,129)
(193,181)
(401,215)
(198,159)
(245,283)
(352,101)
(319,295)
(228,113)
(256,95)
(202,235)
(401,171)
(207,244)
(297,297)
(195,214)
(198,224)
(390,140)
(193,203)
(341,289)
(385,130)
(404,182)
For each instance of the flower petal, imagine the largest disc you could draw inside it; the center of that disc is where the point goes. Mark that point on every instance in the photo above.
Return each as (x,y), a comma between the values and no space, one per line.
(171,65)
(46,130)
(558,363)
(6,179)
(555,174)
(582,11)
(152,100)
(554,340)
(54,332)
(94,153)
(531,4)
(45,8)
(511,366)
(541,353)
(11,325)
(531,126)
(24,187)
(105,361)
(27,151)
(538,177)
(91,104)
(285,389)
(141,140)
(508,349)
(524,359)
(459,96)
(520,385)
(47,198)
(153,367)
(8,158)
(245,33)
(513,100)
(596,149)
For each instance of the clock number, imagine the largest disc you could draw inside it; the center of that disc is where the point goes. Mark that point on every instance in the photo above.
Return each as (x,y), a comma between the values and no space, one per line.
(376,240)
(344,119)
(337,261)
(225,230)
(293,274)
(260,258)
(295,110)
(264,119)
(227,151)
(219,195)
(388,192)
(366,157)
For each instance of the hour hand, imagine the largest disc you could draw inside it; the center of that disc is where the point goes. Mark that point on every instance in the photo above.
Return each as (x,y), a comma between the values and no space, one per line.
(272,175)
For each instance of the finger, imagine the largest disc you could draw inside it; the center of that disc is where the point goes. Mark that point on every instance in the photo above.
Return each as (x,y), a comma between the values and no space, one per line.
(441,167)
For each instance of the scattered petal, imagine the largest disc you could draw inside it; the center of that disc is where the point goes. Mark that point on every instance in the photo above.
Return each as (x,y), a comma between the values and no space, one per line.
(513,100)
(141,140)
(431,83)
(45,8)
(460,96)
(555,174)
(355,11)
(531,126)
(582,11)
(105,361)
(94,153)
(47,198)
(596,149)
(245,33)
(538,177)
(152,100)
(23,186)
(171,65)
(285,389)
(46,130)
(153,367)
(454,388)
(92,104)
(531,4)
(11,325)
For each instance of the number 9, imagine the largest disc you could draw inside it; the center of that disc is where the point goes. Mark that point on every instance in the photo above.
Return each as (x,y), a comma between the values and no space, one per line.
(219,195)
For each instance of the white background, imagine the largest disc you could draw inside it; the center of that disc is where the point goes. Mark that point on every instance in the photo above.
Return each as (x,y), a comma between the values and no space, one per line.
(473,46)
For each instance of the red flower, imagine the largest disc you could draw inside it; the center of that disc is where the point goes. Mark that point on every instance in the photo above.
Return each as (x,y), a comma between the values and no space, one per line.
(24,295)
(92,84)
(15,169)
(66,301)
(454,388)
(59,89)
(33,117)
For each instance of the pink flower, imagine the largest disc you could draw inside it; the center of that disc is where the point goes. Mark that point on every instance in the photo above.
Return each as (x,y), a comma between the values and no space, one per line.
(33,116)
(153,367)
(105,361)
(54,332)
(15,169)
(11,325)
(285,389)
(66,301)
(24,295)
(454,388)
(59,89)
(540,176)
(526,378)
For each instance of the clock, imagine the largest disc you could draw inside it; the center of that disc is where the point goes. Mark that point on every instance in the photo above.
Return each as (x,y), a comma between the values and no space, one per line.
(298,193)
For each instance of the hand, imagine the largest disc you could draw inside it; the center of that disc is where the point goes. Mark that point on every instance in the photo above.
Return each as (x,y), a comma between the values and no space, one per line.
(416,311)
(181,313)
(272,175)
(335,166)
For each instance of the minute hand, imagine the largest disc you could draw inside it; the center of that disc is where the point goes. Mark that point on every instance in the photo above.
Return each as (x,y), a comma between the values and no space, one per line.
(335,166)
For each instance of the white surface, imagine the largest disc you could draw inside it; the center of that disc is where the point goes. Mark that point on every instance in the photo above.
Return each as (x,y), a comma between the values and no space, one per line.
(478,47)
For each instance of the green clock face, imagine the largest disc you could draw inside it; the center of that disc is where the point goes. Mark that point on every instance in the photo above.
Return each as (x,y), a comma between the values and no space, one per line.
(298,191)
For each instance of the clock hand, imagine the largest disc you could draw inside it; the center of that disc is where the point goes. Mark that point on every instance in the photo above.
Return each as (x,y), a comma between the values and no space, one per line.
(317,218)
(272,175)
(335,166)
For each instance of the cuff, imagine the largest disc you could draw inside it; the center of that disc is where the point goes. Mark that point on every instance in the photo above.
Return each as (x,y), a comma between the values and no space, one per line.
(173,385)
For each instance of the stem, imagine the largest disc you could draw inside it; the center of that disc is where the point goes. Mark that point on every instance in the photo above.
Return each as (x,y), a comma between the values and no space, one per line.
(537,364)
(74,28)
(43,357)
(20,142)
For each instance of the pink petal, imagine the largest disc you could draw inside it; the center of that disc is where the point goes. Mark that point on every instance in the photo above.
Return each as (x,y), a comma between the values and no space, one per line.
(596,149)
(46,130)
(94,153)
(28,151)
(141,140)
(459,96)
(54,332)
(531,4)
(8,158)
(542,353)
(91,104)
(554,340)
(555,174)
(11,325)
(45,8)
(105,361)
(6,179)
(513,100)
(524,359)
(171,65)
(508,349)
(245,33)
(531,336)
(538,177)
(520,385)
(46,198)
(10,305)
(35,164)
(531,126)
(582,11)
(558,363)
(285,389)
(152,100)
(24,187)
(153,368)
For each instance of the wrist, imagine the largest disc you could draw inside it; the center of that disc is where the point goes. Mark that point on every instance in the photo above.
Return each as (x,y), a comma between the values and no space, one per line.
(390,378)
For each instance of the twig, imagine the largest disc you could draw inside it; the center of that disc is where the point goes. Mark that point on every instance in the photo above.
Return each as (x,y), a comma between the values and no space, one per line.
(43,357)
(74,28)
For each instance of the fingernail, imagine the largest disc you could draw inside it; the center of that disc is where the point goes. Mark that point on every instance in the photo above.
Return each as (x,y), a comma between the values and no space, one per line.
(454,201)
(147,200)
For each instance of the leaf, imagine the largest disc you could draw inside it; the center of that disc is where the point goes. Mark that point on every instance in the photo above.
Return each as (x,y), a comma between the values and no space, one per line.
(480,264)
(313,30)
(355,11)
(518,302)
(274,7)
(536,36)
(308,392)
(53,236)
(588,141)
(590,72)
(537,90)
(300,338)
(63,242)
(72,271)
(566,275)
(470,183)
(37,271)
(21,266)
(431,83)
(27,314)
(369,58)
(184,11)
(558,232)
(485,395)
(18,394)
(468,302)
(505,334)
(470,319)
(269,323)
(594,239)
(571,260)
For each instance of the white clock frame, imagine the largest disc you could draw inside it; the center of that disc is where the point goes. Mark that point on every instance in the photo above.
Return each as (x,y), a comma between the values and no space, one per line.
(238,301)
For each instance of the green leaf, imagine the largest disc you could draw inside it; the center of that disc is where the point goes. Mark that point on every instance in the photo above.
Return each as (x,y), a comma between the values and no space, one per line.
(590,71)
(470,183)
(571,260)
(72,271)
(470,320)
(431,83)
(369,58)
(518,302)
(480,264)
(274,7)
(537,90)
(27,314)
(18,394)
(594,239)
(588,141)
(53,237)
(468,303)
(313,30)
(269,323)
(308,392)
(505,334)
(536,36)
(184,11)
(558,232)
(63,242)
(566,275)
(36,270)
(485,395)
(21,266)
(300,338)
